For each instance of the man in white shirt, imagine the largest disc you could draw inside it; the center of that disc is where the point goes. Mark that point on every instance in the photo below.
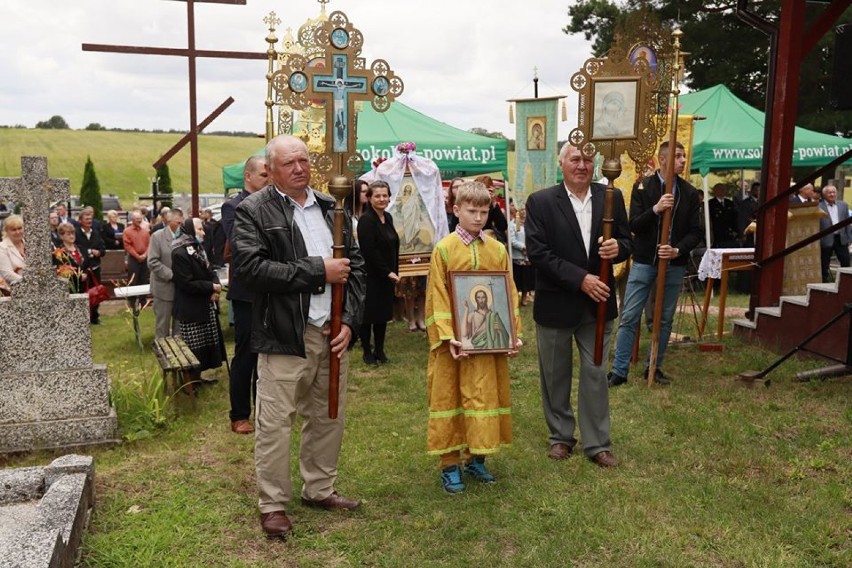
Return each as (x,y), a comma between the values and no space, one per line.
(838,242)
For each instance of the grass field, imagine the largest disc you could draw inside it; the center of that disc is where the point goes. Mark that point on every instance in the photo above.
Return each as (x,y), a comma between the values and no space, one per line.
(712,474)
(122,159)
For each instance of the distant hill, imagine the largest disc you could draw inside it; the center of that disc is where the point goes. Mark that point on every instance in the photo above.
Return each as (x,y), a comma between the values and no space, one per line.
(122,159)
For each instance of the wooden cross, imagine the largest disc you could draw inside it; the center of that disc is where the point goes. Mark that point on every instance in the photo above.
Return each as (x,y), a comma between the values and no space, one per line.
(34,191)
(191,53)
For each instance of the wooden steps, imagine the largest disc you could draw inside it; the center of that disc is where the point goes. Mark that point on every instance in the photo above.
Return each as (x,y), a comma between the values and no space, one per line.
(784,326)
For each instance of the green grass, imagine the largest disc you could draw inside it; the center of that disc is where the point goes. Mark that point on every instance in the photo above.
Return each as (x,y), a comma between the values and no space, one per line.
(122,159)
(712,474)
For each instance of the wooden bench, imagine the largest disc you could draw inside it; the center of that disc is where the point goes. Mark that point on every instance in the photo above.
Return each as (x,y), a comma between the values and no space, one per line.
(175,357)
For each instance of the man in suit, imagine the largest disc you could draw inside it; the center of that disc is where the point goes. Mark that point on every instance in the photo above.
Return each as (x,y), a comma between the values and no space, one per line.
(563,229)
(805,195)
(723,219)
(745,213)
(160,266)
(89,239)
(648,203)
(214,238)
(243,376)
(838,242)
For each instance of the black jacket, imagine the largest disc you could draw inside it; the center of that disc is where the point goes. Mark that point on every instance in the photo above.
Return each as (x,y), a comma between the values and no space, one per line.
(271,258)
(236,289)
(193,282)
(214,242)
(379,244)
(93,242)
(555,247)
(645,224)
(111,237)
(381,254)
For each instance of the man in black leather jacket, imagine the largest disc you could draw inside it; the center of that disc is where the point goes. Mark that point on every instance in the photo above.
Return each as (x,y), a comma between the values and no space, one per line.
(281,246)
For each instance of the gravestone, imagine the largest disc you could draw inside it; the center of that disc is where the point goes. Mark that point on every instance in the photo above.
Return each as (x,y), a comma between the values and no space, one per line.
(44,512)
(54,397)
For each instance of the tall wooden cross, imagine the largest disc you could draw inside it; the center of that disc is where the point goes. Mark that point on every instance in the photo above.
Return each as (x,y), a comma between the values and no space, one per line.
(191,53)
(34,191)
(342,80)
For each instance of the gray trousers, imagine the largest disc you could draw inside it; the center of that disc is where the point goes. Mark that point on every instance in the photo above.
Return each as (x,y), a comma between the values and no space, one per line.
(555,359)
(165,323)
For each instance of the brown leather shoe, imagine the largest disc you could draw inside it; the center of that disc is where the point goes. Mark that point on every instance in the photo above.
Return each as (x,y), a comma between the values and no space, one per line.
(604,459)
(275,524)
(241,427)
(333,502)
(559,451)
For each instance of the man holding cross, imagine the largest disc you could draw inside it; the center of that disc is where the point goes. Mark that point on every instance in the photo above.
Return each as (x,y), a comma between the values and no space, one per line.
(282,250)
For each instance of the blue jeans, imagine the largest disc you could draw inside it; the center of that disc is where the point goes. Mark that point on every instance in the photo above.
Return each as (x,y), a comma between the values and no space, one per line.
(642,278)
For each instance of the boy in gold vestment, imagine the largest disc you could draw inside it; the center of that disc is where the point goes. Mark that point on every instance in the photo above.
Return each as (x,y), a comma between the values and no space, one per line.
(469,402)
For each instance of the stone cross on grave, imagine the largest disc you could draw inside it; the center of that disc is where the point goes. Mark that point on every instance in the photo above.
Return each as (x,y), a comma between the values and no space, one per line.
(34,192)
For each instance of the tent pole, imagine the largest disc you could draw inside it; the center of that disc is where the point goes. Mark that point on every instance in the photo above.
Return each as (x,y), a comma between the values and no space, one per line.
(706,213)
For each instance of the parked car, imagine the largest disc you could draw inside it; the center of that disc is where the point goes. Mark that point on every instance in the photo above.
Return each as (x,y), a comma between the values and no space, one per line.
(184,200)
(110,202)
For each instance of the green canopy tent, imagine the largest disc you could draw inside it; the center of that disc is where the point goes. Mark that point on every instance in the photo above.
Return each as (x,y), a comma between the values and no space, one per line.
(732,136)
(455,151)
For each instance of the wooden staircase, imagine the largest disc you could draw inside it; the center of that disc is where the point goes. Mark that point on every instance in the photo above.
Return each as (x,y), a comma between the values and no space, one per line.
(784,327)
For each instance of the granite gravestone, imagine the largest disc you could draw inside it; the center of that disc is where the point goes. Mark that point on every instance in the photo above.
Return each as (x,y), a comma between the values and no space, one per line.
(53,396)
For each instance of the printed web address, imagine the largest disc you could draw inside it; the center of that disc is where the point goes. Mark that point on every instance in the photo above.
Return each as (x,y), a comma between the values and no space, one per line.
(802,153)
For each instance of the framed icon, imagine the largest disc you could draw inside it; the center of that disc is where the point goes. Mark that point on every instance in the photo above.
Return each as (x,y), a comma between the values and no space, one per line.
(412,222)
(483,312)
(298,82)
(381,86)
(616,110)
(339,38)
(643,56)
(536,129)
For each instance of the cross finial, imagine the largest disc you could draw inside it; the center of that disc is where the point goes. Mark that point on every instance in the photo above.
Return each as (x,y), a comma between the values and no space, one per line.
(272,20)
(323,3)
(34,191)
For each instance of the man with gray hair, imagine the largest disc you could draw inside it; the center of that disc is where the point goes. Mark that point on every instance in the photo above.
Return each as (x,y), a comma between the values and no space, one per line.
(160,265)
(836,243)
(282,241)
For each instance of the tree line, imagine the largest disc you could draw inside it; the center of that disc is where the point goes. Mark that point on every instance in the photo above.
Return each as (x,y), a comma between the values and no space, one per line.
(724,49)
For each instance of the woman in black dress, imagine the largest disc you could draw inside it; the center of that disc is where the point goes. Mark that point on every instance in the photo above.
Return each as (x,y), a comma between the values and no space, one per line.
(379,245)
(196,296)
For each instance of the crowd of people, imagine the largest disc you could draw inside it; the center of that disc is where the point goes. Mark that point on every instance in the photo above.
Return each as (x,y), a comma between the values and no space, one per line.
(276,236)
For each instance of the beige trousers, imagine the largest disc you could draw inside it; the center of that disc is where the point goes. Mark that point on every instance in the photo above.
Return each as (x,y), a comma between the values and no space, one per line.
(286,385)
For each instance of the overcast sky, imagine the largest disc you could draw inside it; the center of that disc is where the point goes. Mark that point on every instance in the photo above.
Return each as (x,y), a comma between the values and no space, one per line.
(460,59)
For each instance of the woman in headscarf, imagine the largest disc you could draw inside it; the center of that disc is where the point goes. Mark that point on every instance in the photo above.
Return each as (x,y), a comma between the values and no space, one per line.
(197,291)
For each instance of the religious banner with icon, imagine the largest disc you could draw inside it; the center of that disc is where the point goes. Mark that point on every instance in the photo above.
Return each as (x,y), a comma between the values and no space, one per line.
(536,147)
(416,203)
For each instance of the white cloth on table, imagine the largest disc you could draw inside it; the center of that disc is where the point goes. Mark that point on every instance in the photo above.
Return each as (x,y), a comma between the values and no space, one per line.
(711,262)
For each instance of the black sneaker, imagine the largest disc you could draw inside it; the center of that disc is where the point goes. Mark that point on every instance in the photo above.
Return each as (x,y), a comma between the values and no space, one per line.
(659,377)
(370,360)
(614,380)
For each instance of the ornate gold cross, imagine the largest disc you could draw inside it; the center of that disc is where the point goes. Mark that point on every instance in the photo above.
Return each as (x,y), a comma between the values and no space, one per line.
(338,80)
